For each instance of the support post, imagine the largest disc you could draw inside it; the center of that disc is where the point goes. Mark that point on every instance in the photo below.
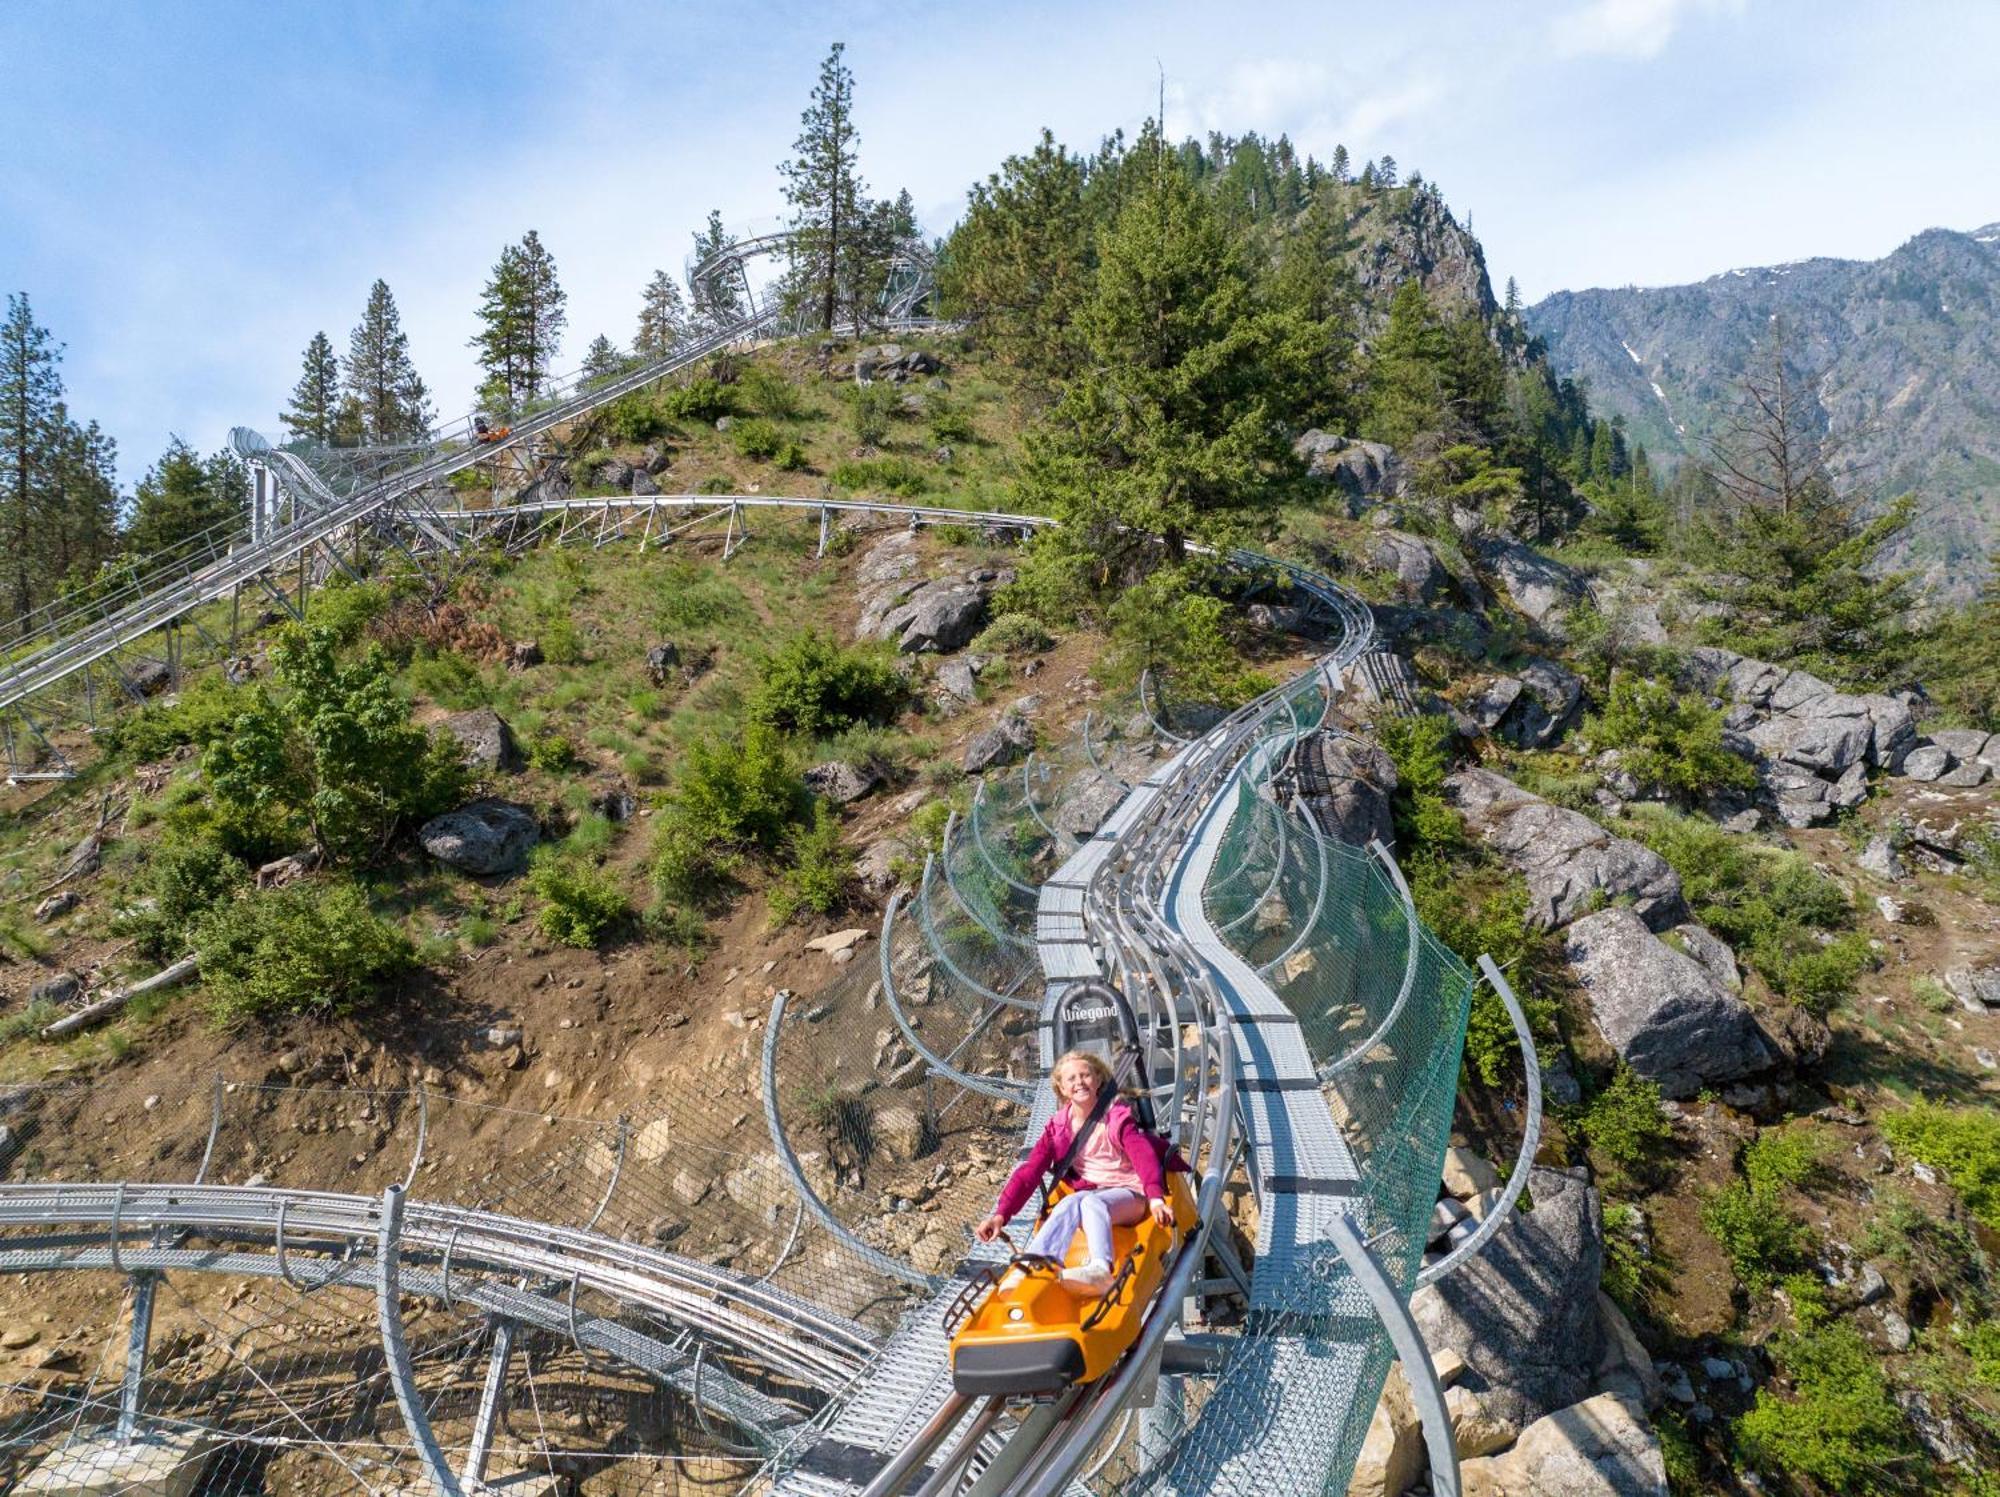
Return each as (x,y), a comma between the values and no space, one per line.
(491,1401)
(396,1350)
(132,1390)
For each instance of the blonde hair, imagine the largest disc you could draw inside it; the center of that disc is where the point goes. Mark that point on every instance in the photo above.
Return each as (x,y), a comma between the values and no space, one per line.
(1091,1059)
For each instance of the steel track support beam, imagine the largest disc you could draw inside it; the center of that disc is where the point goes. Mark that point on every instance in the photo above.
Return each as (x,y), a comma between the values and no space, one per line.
(492,1402)
(396,1349)
(131,1391)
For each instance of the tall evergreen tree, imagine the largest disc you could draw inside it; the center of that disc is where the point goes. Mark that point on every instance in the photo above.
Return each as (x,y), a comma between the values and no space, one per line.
(1018,266)
(522,318)
(316,397)
(182,496)
(1337,164)
(1385,172)
(663,321)
(30,390)
(391,404)
(79,499)
(602,358)
(1315,285)
(825,194)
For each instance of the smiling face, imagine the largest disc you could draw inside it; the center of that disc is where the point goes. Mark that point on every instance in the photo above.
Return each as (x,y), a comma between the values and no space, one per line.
(1078,1085)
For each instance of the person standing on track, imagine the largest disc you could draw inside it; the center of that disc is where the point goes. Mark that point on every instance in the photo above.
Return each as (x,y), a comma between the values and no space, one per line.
(1115,1171)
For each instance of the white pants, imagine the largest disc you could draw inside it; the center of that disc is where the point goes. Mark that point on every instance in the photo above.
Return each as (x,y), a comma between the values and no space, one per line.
(1096,1211)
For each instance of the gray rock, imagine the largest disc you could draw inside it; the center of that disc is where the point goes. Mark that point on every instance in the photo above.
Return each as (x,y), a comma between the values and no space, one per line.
(482,837)
(1706,947)
(1346,784)
(1961,743)
(1926,762)
(955,679)
(1706,668)
(1540,588)
(1548,700)
(875,868)
(1797,689)
(149,677)
(1600,1447)
(56,905)
(642,484)
(1006,742)
(1662,1011)
(1965,774)
(1976,988)
(1083,809)
(613,799)
(1493,701)
(615,475)
(1869,1285)
(1753,681)
(1420,576)
(656,459)
(1826,745)
(1277,617)
(1895,1330)
(1523,1313)
(487,740)
(938,617)
(62,989)
(1850,790)
(840,782)
(1879,858)
(662,662)
(1570,862)
(724,423)
(1362,470)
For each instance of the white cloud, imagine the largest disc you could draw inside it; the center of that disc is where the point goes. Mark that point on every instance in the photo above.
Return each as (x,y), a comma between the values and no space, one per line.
(1628,28)
(1305,100)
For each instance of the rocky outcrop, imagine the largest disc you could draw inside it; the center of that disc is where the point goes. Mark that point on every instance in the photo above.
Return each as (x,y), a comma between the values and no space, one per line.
(1419,575)
(487,740)
(1572,864)
(840,782)
(484,837)
(1345,783)
(1600,1447)
(1006,742)
(1364,471)
(1536,586)
(893,363)
(1523,1313)
(940,616)
(1084,806)
(1665,1013)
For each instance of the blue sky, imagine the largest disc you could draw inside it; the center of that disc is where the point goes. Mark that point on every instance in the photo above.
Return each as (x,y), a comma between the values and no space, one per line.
(188,192)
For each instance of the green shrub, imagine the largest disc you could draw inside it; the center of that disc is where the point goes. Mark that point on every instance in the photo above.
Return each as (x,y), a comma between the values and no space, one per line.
(1668,739)
(580,901)
(1760,1239)
(1982,1344)
(895,475)
(303,949)
(734,799)
(345,607)
(756,438)
(716,483)
(203,713)
(1169,624)
(792,458)
(1841,1428)
(637,417)
(701,399)
(870,409)
(1807,1293)
(185,878)
(1778,1157)
(1963,1143)
(770,394)
(948,425)
(335,761)
(548,750)
(822,867)
(812,685)
(1014,634)
(450,680)
(1624,1124)
(1679,1453)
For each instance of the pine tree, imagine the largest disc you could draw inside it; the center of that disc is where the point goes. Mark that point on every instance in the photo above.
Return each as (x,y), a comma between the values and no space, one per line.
(522,319)
(316,397)
(823,190)
(30,389)
(78,500)
(663,322)
(182,496)
(1513,304)
(602,359)
(1337,166)
(717,297)
(1018,266)
(1314,283)
(391,404)
(1385,172)
(1409,383)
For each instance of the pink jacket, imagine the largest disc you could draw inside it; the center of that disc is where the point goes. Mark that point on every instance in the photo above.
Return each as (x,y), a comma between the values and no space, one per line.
(1142,1150)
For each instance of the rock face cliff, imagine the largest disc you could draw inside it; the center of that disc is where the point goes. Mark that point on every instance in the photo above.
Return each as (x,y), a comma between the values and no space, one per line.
(1413,234)
(1901,358)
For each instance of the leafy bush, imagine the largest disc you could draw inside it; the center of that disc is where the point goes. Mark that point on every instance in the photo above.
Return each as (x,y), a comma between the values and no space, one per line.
(1779,1157)
(185,879)
(1169,624)
(580,901)
(882,475)
(345,607)
(701,399)
(1014,634)
(1420,748)
(336,760)
(201,715)
(756,438)
(1841,1428)
(450,680)
(548,750)
(1669,740)
(822,867)
(812,685)
(687,597)
(734,799)
(1759,1237)
(870,409)
(770,394)
(1624,1124)
(792,458)
(948,425)
(303,949)
(1961,1142)
(635,418)
(716,483)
